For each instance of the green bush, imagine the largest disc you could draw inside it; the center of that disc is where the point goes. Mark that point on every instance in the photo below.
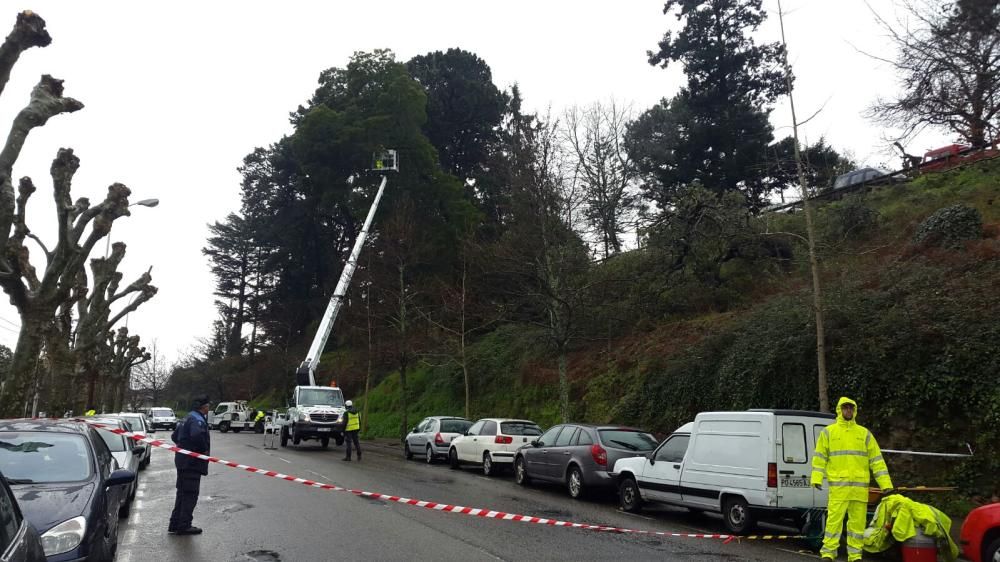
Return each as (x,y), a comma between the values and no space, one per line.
(950,227)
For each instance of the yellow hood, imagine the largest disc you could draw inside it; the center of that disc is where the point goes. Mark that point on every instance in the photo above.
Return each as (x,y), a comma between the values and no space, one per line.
(840,416)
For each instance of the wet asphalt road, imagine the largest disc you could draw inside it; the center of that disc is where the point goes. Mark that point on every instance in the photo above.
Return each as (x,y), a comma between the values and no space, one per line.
(250,517)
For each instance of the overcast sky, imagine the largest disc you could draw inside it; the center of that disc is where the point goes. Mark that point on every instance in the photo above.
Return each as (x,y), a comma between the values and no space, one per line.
(177,94)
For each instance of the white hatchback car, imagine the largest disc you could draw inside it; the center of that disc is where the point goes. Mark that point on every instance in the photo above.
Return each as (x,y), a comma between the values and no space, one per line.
(491,442)
(433,437)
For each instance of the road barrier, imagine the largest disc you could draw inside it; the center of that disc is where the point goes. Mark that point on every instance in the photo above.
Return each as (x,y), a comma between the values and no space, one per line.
(445,508)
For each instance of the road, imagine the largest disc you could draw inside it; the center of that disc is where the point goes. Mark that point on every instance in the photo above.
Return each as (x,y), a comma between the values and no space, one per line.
(250,517)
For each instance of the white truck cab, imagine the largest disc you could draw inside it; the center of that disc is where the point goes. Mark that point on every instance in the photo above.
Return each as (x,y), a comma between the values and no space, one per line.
(236,416)
(748,466)
(315,413)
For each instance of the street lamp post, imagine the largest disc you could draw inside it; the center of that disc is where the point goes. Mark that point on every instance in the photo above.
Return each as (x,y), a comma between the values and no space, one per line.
(145,203)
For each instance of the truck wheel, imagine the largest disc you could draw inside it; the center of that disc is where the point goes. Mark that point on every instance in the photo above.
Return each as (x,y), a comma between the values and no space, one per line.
(992,552)
(295,437)
(284,436)
(224,427)
(407,453)
(338,439)
(629,498)
(736,515)
(324,441)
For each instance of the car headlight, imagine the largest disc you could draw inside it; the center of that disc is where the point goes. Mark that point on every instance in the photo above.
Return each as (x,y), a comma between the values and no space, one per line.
(64,537)
(304,418)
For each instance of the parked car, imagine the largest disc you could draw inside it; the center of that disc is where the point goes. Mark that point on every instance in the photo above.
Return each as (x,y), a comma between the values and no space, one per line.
(980,537)
(67,484)
(137,421)
(162,418)
(433,437)
(579,455)
(749,466)
(126,453)
(19,541)
(491,442)
(859,176)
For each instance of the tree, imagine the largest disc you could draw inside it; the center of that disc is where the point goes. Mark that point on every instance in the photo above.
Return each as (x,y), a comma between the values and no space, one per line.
(821,164)
(949,66)
(596,136)
(151,377)
(232,253)
(464,109)
(716,130)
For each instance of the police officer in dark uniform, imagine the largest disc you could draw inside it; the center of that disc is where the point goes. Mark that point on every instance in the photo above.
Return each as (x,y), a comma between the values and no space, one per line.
(191,434)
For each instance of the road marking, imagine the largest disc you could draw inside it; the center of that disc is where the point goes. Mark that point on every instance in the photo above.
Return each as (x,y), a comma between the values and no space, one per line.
(139,493)
(318,474)
(637,515)
(799,552)
(138,504)
(281,459)
(136,518)
(124,556)
(130,537)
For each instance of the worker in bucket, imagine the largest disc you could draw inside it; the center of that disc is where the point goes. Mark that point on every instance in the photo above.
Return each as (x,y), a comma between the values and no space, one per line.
(847,455)
(353,424)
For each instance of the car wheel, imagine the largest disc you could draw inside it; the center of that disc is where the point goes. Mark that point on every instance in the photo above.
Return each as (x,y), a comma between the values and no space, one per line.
(453,459)
(429,456)
(407,452)
(628,495)
(736,515)
(488,469)
(224,427)
(574,483)
(521,472)
(284,436)
(295,436)
(992,552)
(324,442)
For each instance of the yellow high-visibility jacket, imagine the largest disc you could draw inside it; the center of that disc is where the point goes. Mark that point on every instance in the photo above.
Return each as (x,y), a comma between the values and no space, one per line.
(353,420)
(847,455)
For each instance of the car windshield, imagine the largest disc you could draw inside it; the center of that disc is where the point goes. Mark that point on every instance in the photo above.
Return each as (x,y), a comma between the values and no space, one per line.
(41,456)
(519,428)
(320,397)
(163,413)
(627,439)
(135,422)
(455,426)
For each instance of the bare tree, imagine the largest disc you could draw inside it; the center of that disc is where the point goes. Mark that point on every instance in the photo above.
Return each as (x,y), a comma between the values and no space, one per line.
(608,176)
(949,65)
(80,226)
(151,377)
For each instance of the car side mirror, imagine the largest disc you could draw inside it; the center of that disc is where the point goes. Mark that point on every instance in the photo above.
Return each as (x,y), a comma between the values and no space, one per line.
(137,450)
(536,443)
(651,457)
(119,477)
(414,430)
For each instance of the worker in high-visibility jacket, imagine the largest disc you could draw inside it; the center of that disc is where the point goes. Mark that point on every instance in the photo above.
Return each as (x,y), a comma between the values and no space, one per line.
(352,424)
(847,455)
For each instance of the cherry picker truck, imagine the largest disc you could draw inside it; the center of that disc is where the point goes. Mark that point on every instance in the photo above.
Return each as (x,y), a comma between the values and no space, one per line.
(317,412)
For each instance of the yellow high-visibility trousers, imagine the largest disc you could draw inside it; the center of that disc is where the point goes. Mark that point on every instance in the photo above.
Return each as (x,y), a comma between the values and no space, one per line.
(856,512)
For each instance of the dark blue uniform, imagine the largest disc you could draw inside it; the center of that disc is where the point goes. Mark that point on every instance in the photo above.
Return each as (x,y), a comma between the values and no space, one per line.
(193,436)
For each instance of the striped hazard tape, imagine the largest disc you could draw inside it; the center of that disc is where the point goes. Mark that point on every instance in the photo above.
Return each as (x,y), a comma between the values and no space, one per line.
(445,508)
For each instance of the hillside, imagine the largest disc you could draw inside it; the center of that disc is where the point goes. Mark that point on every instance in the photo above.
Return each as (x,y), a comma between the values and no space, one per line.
(912,336)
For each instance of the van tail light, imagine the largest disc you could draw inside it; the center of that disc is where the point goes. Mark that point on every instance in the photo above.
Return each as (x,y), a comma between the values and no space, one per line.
(599,454)
(438,440)
(772,475)
(504,439)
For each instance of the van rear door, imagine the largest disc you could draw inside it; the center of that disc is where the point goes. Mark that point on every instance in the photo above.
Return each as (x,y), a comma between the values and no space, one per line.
(794,467)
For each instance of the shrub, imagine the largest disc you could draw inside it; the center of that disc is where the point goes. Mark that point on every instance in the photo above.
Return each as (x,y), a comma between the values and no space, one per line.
(950,227)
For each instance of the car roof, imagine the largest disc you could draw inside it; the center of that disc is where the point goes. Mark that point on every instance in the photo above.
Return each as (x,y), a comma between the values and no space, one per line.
(447,418)
(803,413)
(605,427)
(505,420)
(55,426)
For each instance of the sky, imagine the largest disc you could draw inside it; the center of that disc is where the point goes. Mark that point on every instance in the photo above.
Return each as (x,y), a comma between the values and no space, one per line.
(177,93)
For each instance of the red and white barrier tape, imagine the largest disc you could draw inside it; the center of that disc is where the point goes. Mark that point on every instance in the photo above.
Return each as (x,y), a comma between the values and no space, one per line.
(446,508)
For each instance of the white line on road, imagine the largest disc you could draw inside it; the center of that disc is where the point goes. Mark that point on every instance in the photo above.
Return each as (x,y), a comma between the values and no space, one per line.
(130,537)
(318,474)
(139,493)
(637,515)
(799,552)
(138,504)
(281,459)
(136,518)
(124,556)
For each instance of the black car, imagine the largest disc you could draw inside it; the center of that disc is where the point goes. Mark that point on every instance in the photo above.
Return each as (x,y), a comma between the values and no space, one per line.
(579,455)
(67,484)
(19,541)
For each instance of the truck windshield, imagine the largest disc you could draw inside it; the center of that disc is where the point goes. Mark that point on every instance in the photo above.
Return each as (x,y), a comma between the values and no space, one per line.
(320,397)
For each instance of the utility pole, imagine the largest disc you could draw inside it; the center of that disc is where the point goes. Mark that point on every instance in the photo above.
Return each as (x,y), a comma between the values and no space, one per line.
(824,393)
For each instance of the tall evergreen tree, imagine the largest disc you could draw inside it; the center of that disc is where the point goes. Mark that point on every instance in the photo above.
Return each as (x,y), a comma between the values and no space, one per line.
(715,131)
(231,251)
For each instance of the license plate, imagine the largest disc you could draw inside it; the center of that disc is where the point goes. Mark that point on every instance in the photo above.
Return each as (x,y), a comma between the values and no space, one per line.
(794,482)
(322,429)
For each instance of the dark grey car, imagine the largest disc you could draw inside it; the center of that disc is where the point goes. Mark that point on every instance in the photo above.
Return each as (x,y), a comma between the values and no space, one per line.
(19,541)
(579,455)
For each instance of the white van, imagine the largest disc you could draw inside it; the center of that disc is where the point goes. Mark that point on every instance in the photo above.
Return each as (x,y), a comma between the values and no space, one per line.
(748,466)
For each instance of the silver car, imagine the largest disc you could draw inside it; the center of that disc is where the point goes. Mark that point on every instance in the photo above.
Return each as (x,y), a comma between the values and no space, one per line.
(126,453)
(432,436)
(139,424)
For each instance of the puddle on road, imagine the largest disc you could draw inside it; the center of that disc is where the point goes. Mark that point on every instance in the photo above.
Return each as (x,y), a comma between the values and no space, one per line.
(238,506)
(262,556)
